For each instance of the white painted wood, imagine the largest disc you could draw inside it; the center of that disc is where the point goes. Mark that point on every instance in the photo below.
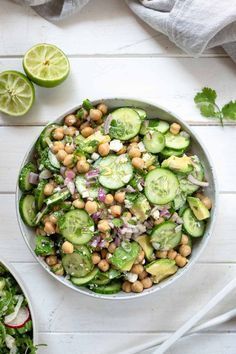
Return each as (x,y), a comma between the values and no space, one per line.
(220,143)
(171,82)
(102,27)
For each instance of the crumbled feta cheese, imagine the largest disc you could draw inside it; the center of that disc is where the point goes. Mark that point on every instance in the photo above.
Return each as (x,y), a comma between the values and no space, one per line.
(95,156)
(116,145)
(141,228)
(131,277)
(141,146)
(156,245)
(122,159)
(146,157)
(85,194)
(140,187)
(126,178)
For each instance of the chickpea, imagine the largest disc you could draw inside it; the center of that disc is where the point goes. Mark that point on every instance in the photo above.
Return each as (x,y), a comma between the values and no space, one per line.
(51,260)
(91,207)
(82,166)
(58,133)
(137,162)
(78,204)
(150,168)
(122,151)
(161,254)
(134,152)
(58,269)
(104,149)
(207,202)
(185,250)
(69,149)
(143,275)
(126,287)
(112,247)
(61,155)
(48,189)
(104,253)
(49,228)
(84,125)
(171,254)
(70,131)
(116,210)
(96,258)
(159,221)
(68,160)
(137,287)
(57,145)
(180,261)
(53,219)
(135,139)
(184,240)
(103,108)
(137,269)
(103,265)
(70,120)
(140,257)
(95,114)
(103,226)
(109,199)
(175,128)
(147,283)
(67,247)
(87,131)
(120,197)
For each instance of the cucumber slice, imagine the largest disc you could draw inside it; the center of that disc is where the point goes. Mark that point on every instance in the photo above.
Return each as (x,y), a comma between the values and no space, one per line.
(77,226)
(187,187)
(164,237)
(46,133)
(104,278)
(24,184)
(57,197)
(90,192)
(39,194)
(161,186)
(166,152)
(176,142)
(192,225)
(154,125)
(77,265)
(53,160)
(27,209)
(45,161)
(125,124)
(84,280)
(112,288)
(179,200)
(115,171)
(154,142)
(142,114)
(83,249)
(198,172)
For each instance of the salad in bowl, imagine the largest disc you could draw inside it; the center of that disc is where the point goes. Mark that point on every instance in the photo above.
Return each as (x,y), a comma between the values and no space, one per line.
(116,200)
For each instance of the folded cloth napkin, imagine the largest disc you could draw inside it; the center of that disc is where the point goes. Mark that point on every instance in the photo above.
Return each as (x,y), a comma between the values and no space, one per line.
(193,25)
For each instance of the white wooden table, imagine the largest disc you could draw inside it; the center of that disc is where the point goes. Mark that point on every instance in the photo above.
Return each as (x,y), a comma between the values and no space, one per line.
(112,53)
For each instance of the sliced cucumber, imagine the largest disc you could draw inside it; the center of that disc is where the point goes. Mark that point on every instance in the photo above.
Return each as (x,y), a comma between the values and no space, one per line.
(154,142)
(154,125)
(125,124)
(142,114)
(198,172)
(57,197)
(161,186)
(192,225)
(115,171)
(27,209)
(179,200)
(187,187)
(166,152)
(53,160)
(77,265)
(39,194)
(90,192)
(84,280)
(46,133)
(103,278)
(77,226)
(45,161)
(24,184)
(112,288)
(176,142)
(164,237)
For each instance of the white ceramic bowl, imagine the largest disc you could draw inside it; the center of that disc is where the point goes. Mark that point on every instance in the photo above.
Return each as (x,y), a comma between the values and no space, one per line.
(153,111)
(25,291)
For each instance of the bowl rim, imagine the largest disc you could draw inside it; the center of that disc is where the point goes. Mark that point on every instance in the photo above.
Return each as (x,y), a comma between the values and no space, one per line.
(172,279)
(26,293)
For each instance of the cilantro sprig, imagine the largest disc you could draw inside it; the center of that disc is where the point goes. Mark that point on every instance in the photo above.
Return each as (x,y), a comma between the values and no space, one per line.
(206,101)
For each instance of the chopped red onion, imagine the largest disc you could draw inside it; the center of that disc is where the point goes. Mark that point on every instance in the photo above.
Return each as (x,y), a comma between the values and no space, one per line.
(197,182)
(117,241)
(45,174)
(102,243)
(107,124)
(95,241)
(62,170)
(96,216)
(70,174)
(33,178)
(92,174)
(101,195)
(165,213)
(129,189)
(71,187)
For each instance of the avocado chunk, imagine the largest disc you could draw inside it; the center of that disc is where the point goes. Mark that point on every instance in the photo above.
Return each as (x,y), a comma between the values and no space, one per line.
(161,269)
(144,242)
(125,255)
(139,205)
(198,208)
(178,164)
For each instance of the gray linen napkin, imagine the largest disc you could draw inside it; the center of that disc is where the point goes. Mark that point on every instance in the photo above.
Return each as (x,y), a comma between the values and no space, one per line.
(193,25)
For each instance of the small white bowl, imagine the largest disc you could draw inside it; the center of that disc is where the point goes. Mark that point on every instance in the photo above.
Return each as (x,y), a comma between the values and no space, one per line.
(153,111)
(25,291)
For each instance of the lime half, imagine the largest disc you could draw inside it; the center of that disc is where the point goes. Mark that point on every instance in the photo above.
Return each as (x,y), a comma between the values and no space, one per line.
(16,93)
(46,65)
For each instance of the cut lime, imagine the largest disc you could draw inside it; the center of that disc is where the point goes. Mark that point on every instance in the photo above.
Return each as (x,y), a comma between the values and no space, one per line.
(46,65)
(16,93)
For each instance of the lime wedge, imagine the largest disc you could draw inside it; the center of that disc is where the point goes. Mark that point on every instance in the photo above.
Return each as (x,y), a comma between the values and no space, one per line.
(16,93)
(46,65)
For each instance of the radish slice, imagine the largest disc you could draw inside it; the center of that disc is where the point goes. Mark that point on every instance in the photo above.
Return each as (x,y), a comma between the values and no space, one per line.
(13,315)
(22,317)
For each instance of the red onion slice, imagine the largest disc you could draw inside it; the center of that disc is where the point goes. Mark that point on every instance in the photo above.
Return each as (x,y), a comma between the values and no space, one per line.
(45,174)
(101,195)
(33,178)
(70,174)
(197,182)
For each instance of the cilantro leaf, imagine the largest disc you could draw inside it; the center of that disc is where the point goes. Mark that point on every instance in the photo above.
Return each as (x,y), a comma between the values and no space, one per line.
(229,110)
(206,95)
(208,110)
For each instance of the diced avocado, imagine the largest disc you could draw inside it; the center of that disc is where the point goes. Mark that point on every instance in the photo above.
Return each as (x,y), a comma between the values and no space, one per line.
(125,255)
(198,208)
(161,269)
(91,143)
(144,241)
(140,207)
(178,164)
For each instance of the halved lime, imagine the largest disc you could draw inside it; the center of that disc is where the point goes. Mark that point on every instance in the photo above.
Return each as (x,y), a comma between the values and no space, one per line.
(16,93)
(46,65)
